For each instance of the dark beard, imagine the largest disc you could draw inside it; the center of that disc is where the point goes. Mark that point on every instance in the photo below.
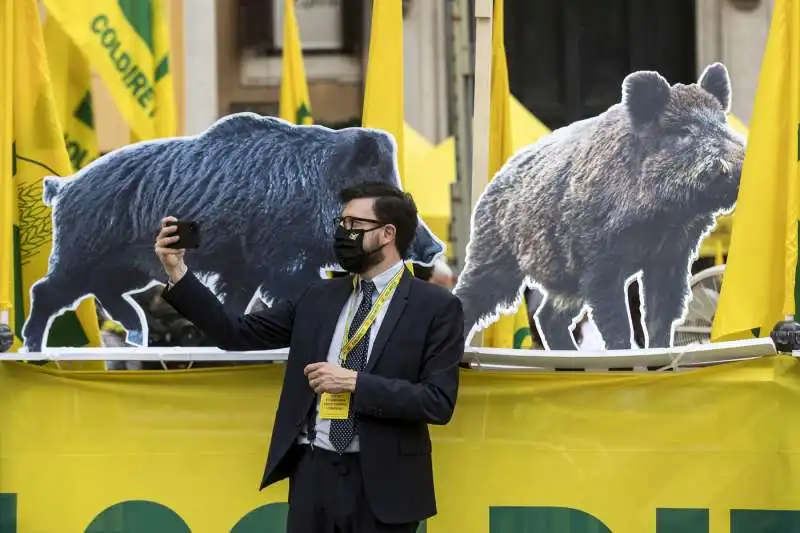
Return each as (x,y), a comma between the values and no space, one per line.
(372,259)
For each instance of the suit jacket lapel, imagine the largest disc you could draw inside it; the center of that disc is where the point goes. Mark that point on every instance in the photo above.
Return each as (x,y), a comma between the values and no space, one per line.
(330,308)
(396,307)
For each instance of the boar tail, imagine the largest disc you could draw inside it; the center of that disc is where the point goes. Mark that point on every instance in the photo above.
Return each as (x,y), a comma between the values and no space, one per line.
(51,187)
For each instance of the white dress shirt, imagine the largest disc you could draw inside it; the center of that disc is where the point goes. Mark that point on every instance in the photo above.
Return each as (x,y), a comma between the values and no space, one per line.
(323,427)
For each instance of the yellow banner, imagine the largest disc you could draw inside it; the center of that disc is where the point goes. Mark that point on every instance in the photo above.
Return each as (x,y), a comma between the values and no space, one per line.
(127,43)
(714,450)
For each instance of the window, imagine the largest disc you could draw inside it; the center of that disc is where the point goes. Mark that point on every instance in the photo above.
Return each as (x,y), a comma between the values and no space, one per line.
(318,21)
(326,26)
(567,59)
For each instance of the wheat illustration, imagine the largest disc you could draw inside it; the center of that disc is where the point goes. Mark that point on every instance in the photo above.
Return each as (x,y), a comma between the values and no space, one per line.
(34,221)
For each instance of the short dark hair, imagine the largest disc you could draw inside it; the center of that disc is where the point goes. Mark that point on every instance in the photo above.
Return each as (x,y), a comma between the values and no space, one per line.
(392,206)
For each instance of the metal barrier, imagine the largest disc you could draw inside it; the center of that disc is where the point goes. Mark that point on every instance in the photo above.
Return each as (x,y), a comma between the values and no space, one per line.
(477,358)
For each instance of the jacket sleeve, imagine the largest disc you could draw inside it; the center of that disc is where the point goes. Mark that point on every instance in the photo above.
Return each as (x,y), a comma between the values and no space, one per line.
(432,400)
(265,330)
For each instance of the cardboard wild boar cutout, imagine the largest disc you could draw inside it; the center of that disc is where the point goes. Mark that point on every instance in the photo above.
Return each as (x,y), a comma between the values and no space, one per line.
(266,193)
(582,213)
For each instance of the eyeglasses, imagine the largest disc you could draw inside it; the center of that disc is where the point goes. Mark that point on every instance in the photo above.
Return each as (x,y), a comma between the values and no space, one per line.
(351,222)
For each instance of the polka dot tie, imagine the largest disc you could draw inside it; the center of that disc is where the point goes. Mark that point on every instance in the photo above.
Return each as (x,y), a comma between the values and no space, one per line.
(342,431)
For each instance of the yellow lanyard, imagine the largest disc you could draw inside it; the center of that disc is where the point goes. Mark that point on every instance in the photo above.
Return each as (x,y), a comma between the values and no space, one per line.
(349,344)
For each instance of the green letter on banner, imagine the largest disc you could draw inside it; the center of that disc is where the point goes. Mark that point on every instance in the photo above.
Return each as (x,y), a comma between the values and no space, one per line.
(757,521)
(543,520)
(138,516)
(8,513)
(682,521)
(270,517)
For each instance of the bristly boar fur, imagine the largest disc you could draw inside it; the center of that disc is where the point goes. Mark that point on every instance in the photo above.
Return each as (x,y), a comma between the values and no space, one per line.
(627,194)
(265,192)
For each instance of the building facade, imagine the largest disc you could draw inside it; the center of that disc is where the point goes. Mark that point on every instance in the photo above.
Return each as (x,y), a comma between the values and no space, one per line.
(566,58)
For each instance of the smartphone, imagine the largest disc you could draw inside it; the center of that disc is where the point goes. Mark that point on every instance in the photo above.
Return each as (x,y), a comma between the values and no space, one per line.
(188,233)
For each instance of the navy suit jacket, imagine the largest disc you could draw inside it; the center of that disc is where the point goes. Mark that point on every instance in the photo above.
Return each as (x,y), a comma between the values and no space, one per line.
(411,379)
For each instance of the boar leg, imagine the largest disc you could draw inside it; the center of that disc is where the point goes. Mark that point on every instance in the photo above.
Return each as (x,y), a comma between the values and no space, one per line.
(608,299)
(666,290)
(51,294)
(291,286)
(237,295)
(240,288)
(553,321)
(123,311)
(110,287)
(490,281)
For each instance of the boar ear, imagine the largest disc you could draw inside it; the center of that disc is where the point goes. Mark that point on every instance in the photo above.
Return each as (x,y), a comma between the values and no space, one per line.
(362,149)
(372,147)
(717,82)
(645,94)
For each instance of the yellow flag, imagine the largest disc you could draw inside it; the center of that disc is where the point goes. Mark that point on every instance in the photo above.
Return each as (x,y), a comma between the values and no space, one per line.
(510,331)
(127,43)
(525,127)
(72,89)
(295,106)
(38,152)
(760,277)
(8,205)
(383,94)
(737,124)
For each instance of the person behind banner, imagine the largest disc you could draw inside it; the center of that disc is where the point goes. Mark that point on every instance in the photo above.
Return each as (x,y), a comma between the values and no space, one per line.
(374,358)
(6,338)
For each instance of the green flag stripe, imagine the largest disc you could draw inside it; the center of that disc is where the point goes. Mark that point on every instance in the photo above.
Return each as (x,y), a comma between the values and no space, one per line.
(67,331)
(8,513)
(519,337)
(19,307)
(19,311)
(84,111)
(140,16)
(797,278)
(162,69)
(302,113)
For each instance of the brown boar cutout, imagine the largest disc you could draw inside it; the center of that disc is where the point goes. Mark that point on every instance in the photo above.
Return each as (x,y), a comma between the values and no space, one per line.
(582,213)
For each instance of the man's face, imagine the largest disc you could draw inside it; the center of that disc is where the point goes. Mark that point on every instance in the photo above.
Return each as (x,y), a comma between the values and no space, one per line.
(359,214)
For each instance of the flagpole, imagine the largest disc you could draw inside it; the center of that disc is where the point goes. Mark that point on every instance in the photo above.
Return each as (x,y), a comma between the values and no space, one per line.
(482,97)
(7,196)
(481,109)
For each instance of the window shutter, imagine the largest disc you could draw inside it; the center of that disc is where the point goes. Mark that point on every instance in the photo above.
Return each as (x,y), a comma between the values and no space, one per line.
(352,26)
(255,25)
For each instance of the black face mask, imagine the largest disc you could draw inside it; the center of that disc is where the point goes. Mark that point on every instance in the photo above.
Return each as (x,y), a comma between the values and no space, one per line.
(348,246)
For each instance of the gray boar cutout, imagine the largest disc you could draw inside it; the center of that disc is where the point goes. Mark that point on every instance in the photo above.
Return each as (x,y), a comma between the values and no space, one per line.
(626,195)
(266,193)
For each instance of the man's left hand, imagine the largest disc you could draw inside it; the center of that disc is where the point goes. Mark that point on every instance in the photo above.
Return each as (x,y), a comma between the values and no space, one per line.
(325,377)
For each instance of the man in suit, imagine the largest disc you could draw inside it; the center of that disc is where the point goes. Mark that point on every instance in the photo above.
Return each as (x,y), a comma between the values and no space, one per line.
(374,358)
